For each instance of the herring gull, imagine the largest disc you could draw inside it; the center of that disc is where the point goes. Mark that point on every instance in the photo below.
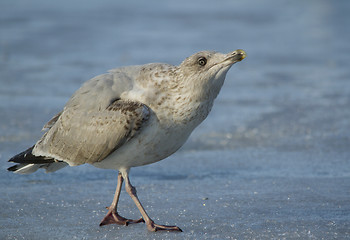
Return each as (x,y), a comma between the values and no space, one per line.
(129,117)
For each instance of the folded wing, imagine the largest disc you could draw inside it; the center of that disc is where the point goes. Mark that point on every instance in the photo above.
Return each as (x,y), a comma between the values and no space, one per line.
(79,136)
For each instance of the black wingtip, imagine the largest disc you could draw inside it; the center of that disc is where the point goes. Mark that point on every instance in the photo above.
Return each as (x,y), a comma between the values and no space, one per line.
(21,157)
(14,168)
(26,157)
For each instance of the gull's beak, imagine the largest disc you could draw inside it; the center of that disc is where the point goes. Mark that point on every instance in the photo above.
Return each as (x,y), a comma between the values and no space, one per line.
(236,56)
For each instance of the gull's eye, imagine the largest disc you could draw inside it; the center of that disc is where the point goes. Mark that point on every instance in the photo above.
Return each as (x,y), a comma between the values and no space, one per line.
(202,61)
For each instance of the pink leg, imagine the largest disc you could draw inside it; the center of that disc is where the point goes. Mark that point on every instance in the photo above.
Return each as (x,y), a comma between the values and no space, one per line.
(112,215)
(151,226)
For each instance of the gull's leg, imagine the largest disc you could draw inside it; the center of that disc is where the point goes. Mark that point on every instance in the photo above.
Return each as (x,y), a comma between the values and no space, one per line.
(151,226)
(112,215)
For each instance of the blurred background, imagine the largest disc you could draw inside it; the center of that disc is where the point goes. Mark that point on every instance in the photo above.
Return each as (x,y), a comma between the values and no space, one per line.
(270,161)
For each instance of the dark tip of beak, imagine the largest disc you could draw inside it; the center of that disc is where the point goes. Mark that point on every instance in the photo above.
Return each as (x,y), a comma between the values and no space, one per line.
(239,55)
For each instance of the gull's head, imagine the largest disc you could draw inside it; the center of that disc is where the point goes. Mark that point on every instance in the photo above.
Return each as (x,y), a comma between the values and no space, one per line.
(206,71)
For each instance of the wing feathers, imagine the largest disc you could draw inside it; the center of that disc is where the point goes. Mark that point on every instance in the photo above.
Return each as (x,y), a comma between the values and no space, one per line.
(79,137)
(27,157)
(28,163)
(53,120)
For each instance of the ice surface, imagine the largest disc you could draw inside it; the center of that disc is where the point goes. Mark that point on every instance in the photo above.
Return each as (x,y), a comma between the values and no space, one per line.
(272,161)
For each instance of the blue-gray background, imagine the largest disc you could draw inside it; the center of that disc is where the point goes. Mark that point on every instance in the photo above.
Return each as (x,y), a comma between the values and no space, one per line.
(270,162)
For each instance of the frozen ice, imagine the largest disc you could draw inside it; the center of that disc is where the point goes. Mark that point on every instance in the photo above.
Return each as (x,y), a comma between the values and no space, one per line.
(272,160)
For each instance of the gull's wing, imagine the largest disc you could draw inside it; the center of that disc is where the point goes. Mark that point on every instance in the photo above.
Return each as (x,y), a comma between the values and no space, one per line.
(78,136)
(52,121)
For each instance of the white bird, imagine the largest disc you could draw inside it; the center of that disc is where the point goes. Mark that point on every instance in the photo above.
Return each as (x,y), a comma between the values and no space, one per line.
(129,117)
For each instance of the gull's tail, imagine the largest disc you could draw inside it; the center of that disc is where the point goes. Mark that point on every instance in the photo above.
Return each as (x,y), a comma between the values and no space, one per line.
(28,163)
